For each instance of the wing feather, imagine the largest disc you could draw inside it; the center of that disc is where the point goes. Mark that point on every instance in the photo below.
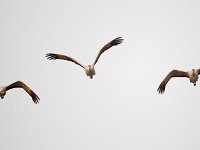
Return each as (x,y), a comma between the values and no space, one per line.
(173,73)
(19,84)
(52,56)
(198,70)
(114,42)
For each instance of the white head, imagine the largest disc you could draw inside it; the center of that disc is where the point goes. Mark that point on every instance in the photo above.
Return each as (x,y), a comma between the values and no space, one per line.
(2,92)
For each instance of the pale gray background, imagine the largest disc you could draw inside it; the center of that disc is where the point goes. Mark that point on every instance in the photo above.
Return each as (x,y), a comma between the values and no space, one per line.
(120,108)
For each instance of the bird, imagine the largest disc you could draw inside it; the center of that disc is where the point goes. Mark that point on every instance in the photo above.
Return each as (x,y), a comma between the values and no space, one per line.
(89,69)
(192,75)
(19,84)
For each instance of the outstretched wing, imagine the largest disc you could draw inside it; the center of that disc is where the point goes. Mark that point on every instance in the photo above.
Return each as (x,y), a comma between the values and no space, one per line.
(52,56)
(173,73)
(107,46)
(20,84)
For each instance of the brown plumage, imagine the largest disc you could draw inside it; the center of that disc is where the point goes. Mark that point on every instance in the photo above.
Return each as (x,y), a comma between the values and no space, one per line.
(89,69)
(19,84)
(107,46)
(192,75)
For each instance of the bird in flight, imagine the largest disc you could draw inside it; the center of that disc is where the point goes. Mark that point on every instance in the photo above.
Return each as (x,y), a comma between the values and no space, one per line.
(19,84)
(192,75)
(89,69)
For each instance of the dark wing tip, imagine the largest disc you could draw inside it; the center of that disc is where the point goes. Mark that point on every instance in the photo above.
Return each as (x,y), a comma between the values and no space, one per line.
(117,41)
(161,88)
(35,97)
(51,56)
(36,100)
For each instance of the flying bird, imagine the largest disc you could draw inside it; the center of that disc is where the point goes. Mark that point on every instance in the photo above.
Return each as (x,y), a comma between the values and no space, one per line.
(19,84)
(89,69)
(192,75)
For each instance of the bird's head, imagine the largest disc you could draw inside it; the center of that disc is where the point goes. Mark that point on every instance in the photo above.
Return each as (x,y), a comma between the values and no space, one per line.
(2,92)
(89,67)
(193,71)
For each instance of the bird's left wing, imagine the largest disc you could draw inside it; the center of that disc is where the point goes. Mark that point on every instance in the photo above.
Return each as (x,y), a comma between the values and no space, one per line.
(114,42)
(19,84)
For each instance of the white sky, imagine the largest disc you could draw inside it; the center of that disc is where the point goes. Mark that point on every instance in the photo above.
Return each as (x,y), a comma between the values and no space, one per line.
(120,108)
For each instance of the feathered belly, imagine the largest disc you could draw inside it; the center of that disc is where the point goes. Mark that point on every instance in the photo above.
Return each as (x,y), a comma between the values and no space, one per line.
(89,71)
(193,79)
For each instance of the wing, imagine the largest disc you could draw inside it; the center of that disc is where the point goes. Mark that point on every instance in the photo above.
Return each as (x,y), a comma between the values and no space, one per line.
(107,46)
(20,84)
(52,56)
(173,73)
(198,70)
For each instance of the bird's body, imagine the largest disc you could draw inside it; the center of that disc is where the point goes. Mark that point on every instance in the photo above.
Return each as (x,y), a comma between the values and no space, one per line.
(89,69)
(19,84)
(192,75)
(2,91)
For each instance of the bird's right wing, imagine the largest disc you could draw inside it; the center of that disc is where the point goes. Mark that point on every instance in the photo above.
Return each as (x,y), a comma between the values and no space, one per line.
(52,56)
(198,70)
(173,73)
(20,84)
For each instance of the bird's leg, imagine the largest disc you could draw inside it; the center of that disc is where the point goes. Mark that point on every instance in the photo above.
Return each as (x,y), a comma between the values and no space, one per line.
(194,84)
(2,97)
